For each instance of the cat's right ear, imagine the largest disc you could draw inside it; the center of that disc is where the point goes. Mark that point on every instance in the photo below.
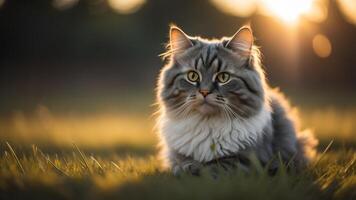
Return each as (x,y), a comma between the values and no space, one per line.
(178,40)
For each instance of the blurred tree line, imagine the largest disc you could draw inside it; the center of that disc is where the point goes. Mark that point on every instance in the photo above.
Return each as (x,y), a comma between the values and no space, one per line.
(90,51)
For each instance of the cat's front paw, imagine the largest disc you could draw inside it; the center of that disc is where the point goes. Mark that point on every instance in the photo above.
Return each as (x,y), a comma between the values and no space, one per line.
(190,167)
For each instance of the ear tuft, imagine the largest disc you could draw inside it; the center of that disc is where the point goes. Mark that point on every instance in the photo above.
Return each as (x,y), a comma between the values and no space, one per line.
(178,39)
(242,41)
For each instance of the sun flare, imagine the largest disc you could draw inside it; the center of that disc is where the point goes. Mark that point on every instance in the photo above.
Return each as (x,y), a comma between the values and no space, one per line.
(288,11)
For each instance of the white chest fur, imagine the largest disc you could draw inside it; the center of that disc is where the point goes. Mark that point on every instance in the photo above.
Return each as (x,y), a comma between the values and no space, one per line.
(205,139)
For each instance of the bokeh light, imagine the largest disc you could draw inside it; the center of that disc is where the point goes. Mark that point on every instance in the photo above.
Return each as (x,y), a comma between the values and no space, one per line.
(2,2)
(64,4)
(348,9)
(240,8)
(318,11)
(322,46)
(126,6)
(288,11)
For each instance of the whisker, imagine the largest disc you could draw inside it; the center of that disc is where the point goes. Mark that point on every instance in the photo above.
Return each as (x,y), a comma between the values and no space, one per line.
(228,108)
(182,110)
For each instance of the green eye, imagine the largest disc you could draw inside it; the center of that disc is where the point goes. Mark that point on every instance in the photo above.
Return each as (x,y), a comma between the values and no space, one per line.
(193,76)
(223,77)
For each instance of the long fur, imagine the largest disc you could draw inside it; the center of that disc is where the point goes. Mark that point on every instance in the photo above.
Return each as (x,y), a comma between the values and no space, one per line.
(211,138)
(196,139)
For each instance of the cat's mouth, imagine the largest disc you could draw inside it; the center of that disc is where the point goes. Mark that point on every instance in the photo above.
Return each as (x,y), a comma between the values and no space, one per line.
(206,107)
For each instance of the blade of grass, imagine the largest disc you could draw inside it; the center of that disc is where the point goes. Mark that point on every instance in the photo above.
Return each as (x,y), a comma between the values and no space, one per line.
(82,155)
(97,163)
(282,170)
(291,160)
(36,157)
(350,164)
(52,164)
(16,158)
(7,158)
(79,160)
(256,164)
(323,153)
(117,166)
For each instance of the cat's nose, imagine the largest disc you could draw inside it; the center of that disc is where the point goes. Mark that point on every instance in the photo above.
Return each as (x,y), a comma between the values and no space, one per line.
(204,92)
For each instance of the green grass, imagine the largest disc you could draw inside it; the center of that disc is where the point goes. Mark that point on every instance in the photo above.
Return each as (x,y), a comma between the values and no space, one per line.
(32,173)
(115,159)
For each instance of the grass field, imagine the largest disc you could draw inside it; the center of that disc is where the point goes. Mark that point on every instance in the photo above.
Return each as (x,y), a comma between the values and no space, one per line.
(112,156)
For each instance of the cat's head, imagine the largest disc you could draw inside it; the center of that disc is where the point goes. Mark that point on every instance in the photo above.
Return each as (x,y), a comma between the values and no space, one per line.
(212,77)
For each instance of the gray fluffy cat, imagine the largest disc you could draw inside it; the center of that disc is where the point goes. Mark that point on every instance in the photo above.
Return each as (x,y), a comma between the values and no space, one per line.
(215,105)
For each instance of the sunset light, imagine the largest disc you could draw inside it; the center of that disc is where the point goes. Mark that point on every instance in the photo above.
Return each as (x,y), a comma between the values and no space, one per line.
(347,8)
(181,100)
(239,8)
(288,11)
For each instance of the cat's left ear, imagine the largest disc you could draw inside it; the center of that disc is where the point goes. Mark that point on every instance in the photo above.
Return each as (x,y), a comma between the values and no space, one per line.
(241,42)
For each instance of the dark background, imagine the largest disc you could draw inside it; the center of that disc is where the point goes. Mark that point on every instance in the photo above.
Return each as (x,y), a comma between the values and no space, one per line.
(90,57)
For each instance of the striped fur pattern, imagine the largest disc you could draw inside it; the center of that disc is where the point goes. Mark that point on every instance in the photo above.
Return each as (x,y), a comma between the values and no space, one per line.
(206,119)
